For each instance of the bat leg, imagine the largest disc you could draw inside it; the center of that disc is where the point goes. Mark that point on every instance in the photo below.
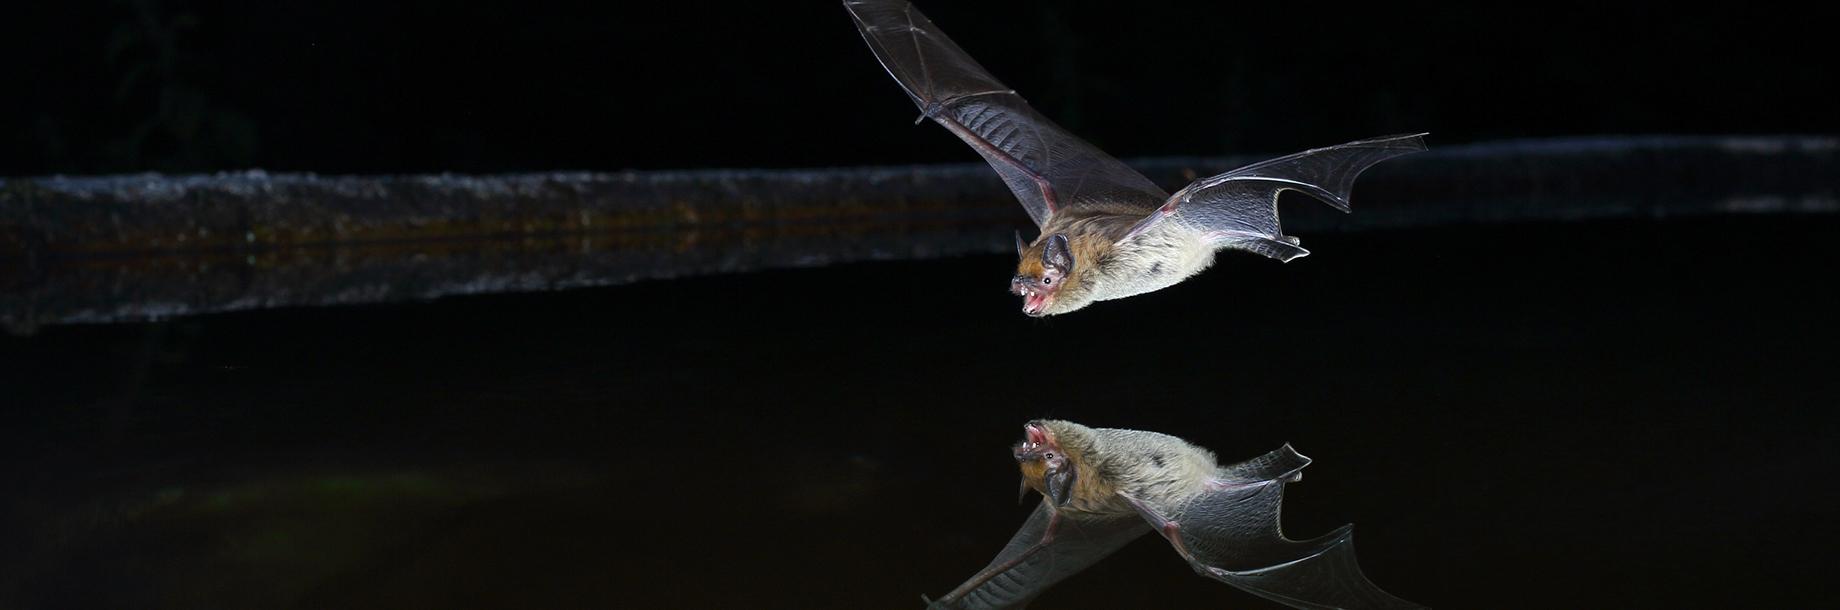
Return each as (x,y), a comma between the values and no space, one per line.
(1281,247)
(1172,531)
(1155,517)
(1324,576)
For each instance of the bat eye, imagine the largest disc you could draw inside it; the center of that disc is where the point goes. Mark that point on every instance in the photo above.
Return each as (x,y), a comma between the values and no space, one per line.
(1047,280)
(1050,455)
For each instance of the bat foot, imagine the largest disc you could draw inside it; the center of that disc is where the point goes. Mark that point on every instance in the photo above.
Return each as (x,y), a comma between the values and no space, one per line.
(1173,532)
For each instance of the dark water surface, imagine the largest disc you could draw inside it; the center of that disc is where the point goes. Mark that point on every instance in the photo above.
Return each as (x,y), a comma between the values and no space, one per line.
(1614,414)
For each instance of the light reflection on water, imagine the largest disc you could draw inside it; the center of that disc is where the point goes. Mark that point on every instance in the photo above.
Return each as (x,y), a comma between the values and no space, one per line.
(1484,404)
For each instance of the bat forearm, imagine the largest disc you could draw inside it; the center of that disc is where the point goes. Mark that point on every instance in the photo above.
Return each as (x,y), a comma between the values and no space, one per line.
(1002,566)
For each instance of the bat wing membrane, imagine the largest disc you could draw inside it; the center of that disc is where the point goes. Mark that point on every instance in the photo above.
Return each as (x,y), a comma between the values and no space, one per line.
(1049,169)
(1231,533)
(1239,209)
(1044,552)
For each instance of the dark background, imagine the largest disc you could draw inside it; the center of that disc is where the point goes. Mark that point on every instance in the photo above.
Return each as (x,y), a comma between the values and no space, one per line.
(1611,414)
(363,87)
(1629,414)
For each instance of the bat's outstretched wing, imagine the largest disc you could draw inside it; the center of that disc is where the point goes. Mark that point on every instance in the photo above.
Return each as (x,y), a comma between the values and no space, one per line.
(1230,533)
(1045,551)
(1049,169)
(1239,209)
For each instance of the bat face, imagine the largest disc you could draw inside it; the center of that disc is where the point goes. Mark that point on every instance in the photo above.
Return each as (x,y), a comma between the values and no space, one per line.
(1037,288)
(1045,277)
(1045,467)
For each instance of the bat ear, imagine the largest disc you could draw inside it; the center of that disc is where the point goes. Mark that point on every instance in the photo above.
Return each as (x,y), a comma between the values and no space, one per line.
(1022,247)
(1060,485)
(1057,255)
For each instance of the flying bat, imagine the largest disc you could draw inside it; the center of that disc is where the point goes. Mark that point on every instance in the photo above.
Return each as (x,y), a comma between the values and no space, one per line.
(1103,487)
(1106,231)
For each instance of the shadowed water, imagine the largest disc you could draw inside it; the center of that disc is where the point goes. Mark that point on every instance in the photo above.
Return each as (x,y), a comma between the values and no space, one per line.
(1615,414)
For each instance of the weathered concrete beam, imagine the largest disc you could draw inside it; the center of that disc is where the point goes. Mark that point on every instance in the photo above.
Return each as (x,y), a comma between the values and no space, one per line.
(126,248)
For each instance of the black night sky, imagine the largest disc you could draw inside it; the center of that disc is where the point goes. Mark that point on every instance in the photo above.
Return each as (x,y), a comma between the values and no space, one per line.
(362,87)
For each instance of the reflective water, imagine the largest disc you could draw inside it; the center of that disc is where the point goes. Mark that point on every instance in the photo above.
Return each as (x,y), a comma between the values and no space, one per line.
(1627,414)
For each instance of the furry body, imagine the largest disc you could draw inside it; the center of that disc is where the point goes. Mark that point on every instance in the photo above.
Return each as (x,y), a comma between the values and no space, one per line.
(1107,232)
(1159,257)
(1103,486)
(1110,461)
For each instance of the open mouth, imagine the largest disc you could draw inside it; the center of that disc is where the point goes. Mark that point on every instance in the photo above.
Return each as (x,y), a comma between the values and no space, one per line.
(1035,443)
(1034,303)
(1035,435)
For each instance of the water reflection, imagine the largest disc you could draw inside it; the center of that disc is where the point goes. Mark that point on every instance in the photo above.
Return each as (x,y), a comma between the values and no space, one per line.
(782,440)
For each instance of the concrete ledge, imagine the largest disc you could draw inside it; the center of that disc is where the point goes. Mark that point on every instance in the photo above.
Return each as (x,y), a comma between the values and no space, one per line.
(140,247)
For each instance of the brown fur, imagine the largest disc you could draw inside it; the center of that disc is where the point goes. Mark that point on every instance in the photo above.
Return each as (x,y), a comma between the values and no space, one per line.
(1093,490)
(1087,250)
(1035,475)
(1107,462)
(1090,252)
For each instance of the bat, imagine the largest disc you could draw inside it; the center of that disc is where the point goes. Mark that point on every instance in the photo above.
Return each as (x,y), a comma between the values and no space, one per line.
(1103,487)
(1106,231)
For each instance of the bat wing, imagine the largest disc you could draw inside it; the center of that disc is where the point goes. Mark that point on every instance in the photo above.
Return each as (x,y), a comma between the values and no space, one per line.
(1230,533)
(1239,209)
(1045,551)
(1048,168)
